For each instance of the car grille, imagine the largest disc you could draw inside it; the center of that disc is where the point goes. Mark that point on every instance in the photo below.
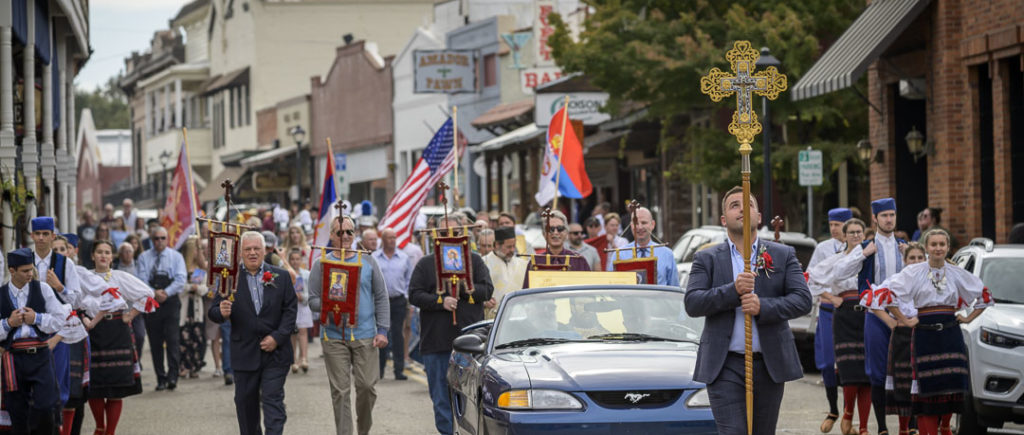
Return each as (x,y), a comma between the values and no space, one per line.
(635,399)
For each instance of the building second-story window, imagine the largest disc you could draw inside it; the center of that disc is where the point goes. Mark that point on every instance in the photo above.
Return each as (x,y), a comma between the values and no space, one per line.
(231,106)
(490,70)
(248,117)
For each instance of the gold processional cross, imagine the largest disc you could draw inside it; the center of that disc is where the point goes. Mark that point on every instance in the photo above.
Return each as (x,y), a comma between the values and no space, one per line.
(743,82)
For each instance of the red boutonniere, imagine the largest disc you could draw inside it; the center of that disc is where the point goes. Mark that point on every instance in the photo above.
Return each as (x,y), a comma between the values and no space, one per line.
(268,279)
(764,261)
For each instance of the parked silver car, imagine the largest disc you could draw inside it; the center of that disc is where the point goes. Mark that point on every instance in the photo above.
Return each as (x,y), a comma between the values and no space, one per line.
(709,235)
(995,340)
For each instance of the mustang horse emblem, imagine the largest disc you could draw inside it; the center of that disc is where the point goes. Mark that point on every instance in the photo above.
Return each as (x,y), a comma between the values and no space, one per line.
(636,397)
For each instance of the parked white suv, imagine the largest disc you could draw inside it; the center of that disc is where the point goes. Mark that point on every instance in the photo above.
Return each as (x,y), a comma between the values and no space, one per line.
(995,340)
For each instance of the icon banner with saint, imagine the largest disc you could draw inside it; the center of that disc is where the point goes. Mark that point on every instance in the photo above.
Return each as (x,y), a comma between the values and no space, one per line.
(223,262)
(340,294)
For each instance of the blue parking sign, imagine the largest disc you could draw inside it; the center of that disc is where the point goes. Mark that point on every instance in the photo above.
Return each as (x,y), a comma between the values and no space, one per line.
(340,162)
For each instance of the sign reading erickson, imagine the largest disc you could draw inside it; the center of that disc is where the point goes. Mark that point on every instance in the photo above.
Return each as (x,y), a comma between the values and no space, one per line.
(444,71)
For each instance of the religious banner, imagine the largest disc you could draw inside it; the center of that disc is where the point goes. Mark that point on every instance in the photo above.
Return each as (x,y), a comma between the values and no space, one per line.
(645,268)
(454,264)
(340,294)
(223,259)
(550,262)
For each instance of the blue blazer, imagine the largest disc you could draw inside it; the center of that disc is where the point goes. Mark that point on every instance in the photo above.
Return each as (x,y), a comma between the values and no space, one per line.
(711,293)
(276,319)
(867,269)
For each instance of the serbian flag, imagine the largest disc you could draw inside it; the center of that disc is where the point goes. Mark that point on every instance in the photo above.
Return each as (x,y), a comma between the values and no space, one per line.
(328,213)
(179,214)
(573,181)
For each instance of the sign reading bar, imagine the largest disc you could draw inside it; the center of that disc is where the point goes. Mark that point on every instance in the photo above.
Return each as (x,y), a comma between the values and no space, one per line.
(583,106)
(444,71)
(810,168)
(530,78)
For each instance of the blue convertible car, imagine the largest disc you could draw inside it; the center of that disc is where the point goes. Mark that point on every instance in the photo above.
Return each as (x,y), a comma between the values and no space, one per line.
(581,360)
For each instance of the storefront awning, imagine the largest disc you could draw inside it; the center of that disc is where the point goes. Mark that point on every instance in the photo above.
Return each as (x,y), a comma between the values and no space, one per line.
(867,38)
(214,191)
(271,155)
(518,135)
(503,113)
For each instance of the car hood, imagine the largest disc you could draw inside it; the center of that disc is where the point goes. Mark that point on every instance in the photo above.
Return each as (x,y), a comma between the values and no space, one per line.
(1005,317)
(609,366)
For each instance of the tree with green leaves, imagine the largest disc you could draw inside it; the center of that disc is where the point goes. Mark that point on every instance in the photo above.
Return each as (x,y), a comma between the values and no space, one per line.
(108,104)
(655,51)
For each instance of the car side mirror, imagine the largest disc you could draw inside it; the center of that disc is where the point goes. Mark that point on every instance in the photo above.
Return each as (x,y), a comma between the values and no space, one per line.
(469,343)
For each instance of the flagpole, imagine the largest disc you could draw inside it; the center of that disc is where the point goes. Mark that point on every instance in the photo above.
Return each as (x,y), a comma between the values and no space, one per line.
(455,148)
(561,147)
(191,188)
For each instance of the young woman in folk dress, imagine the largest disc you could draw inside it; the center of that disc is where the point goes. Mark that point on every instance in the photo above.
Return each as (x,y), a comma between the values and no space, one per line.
(847,326)
(937,289)
(113,298)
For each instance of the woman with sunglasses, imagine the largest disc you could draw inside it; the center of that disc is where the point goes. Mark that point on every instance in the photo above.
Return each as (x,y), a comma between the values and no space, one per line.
(937,289)
(112,299)
(847,325)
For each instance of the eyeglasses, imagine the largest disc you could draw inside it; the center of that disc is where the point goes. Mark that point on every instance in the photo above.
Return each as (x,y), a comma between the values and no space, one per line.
(558,229)
(346,232)
(577,233)
(159,237)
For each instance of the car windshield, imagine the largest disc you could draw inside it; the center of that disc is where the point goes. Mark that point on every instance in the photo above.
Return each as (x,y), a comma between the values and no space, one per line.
(595,315)
(1002,277)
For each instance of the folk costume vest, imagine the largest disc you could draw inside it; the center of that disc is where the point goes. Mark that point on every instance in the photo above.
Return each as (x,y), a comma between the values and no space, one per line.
(35,302)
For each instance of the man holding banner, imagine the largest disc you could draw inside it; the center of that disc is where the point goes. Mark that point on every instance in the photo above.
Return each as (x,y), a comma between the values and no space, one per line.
(665,263)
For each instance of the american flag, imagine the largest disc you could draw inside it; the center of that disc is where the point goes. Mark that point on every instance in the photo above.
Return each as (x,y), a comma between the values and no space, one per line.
(436,161)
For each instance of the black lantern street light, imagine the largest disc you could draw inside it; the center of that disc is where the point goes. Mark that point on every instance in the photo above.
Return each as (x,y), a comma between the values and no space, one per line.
(165,158)
(298,135)
(766,60)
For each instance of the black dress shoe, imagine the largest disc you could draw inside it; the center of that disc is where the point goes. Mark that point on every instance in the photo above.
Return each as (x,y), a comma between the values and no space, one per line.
(171,386)
(161,386)
(229,379)
(400,377)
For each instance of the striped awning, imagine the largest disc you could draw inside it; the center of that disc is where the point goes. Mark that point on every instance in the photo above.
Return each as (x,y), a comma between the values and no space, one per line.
(867,38)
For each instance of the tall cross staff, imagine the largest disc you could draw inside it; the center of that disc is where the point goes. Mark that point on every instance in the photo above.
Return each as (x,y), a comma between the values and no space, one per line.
(341,206)
(743,81)
(777,224)
(451,231)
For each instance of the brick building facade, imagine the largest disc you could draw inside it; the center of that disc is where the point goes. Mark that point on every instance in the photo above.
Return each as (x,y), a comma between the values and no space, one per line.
(954,71)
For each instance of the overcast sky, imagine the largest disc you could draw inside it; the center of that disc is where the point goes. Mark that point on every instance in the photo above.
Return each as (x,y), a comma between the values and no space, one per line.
(118,27)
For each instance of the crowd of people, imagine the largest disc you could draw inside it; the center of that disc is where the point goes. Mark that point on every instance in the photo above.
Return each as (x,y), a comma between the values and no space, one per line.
(88,301)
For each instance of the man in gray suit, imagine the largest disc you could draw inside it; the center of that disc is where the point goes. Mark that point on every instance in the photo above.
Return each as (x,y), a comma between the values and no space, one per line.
(774,292)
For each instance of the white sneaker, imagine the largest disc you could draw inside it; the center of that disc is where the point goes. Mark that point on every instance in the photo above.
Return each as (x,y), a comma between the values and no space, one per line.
(218,373)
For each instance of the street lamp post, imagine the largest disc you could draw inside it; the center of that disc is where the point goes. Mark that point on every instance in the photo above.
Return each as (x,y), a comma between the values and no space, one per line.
(766,61)
(165,158)
(298,134)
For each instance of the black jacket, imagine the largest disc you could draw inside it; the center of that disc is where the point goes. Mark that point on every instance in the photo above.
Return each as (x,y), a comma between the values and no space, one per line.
(436,329)
(276,318)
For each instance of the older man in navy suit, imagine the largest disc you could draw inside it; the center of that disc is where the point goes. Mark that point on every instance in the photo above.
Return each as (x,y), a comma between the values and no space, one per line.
(261,328)
(774,292)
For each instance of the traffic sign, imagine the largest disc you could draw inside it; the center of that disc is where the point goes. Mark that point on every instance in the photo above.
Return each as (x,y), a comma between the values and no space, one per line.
(810,167)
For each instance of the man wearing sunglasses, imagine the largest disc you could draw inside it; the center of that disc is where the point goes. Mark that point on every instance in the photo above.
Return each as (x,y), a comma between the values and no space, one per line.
(556,233)
(576,243)
(164,270)
(350,354)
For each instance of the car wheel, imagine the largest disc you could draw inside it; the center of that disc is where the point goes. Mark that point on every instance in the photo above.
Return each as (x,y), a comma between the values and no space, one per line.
(966,423)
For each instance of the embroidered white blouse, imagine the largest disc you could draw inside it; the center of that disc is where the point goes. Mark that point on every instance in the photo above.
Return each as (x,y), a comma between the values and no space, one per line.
(130,292)
(922,286)
(834,274)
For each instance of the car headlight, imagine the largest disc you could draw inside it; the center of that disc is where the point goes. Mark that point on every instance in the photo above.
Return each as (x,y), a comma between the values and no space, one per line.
(538,399)
(699,399)
(998,339)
